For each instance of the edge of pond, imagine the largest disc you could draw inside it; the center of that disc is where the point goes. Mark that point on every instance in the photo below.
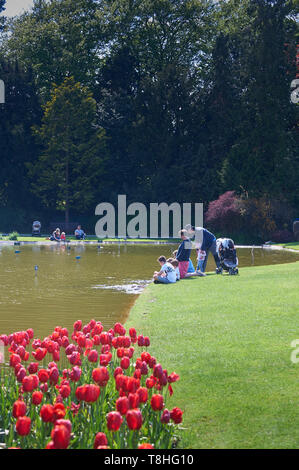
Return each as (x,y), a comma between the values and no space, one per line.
(130,242)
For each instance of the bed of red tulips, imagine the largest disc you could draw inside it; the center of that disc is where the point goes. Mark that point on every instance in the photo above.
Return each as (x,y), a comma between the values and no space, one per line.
(112,394)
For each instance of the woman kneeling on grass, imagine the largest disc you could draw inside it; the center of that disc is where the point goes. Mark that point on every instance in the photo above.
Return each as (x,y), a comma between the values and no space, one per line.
(167,274)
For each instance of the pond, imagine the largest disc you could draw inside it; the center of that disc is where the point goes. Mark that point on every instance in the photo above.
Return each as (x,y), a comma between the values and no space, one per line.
(102,284)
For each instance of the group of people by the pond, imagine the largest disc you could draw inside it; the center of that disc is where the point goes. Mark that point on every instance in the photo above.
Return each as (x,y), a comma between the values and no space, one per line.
(58,236)
(180,265)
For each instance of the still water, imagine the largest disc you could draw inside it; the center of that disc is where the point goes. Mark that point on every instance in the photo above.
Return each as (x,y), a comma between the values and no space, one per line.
(102,283)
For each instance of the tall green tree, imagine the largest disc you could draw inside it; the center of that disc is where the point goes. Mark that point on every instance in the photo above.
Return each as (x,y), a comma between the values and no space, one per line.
(70,165)
(17,146)
(262,158)
(2,8)
(57,39)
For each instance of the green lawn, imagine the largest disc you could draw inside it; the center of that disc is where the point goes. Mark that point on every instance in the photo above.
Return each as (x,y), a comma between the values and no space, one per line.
(292,245)
(229,338)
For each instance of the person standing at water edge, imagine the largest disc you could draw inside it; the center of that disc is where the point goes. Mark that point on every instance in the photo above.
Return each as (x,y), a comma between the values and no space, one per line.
(204,241)
(183,254)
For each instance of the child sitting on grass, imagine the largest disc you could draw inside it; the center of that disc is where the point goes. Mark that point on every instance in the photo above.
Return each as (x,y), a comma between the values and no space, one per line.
(167,274)
(175,264)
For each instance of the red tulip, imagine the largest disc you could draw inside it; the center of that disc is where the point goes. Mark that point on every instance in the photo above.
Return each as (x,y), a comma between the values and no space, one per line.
(60,436)
(117,371)
(152,362)
(134,419)
(47,413)
(100,440)
(173,377)
(125,363)
(28,383)
(64,422)
(23,425)
(176,415)
(58,411)
(75,374)
(89,393)
(37,398)
(65,391)
(93,356)
(132,384)
(33,368)
(122,405)
(53,375)
(100,376)
(21,373)
(77,325)
(158,371)
(150,382)
(157,402)
(19,409)
(39,354)
(105,359)
(165,418)
(146,445)
(133,400)
(142,394)
(114,421)
(43,375)
(14,360)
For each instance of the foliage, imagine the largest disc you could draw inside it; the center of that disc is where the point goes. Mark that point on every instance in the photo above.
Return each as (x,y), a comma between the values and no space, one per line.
(193,98)
(72,149)
(13,236)
(224,214)
(282,236)
(255,218)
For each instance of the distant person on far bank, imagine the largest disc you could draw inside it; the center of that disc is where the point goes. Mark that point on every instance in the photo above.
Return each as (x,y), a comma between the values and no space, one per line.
(79,233)
(205,241)
(55,237)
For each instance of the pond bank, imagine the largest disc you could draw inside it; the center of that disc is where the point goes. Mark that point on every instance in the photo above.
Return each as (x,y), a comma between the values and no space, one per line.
(229,339)
(128,242)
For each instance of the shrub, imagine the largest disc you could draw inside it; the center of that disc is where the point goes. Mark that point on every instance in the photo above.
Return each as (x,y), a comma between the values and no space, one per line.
(282,236)
(224,213)
(13,236)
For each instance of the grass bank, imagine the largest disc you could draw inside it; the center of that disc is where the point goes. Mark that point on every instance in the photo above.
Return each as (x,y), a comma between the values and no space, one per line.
(292,245)
(229,338)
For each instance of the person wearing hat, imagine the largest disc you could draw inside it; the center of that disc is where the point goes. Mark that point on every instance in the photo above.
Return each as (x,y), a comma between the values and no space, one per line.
(205,241)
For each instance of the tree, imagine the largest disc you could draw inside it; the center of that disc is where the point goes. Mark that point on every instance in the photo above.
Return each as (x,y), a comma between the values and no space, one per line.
(70,165)
(57,39)
(17,146)
(2,8)
(262,159)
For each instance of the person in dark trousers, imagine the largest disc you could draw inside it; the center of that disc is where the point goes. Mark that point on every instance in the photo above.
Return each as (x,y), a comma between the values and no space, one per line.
(183,254)
(204,241)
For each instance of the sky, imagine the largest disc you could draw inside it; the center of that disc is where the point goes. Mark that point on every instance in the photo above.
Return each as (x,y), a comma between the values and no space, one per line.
(15,7)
